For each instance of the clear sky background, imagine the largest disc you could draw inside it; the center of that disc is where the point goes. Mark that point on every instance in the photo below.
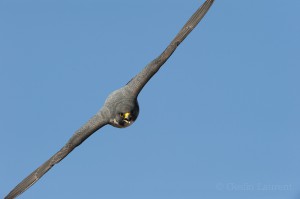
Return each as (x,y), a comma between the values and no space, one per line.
(219,120)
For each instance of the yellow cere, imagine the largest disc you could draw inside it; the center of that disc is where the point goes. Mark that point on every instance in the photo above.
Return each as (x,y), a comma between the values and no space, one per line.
(126,115)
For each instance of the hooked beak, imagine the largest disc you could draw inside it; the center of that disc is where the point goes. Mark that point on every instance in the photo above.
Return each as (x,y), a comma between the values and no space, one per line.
(127,118)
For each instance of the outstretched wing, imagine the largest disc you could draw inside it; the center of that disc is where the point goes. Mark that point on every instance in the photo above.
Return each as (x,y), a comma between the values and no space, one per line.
(101,119)
(96,122)
(139,81)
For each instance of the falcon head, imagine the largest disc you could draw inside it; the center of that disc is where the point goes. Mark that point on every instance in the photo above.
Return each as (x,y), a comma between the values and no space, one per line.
(124,108)
(125,115)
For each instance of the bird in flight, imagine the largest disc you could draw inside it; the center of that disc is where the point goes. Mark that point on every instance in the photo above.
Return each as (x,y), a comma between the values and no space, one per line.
(121,107)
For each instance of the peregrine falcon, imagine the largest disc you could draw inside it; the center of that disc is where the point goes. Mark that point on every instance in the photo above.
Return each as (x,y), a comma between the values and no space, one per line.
(121,107)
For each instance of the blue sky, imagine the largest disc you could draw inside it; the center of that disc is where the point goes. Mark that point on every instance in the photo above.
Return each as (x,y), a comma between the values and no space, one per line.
(219,120)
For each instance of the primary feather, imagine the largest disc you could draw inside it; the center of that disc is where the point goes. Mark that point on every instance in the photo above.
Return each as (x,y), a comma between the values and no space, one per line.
(119,106)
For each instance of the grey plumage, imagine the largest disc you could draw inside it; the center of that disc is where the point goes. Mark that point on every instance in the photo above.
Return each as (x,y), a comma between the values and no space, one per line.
(120,108)
(139,81)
